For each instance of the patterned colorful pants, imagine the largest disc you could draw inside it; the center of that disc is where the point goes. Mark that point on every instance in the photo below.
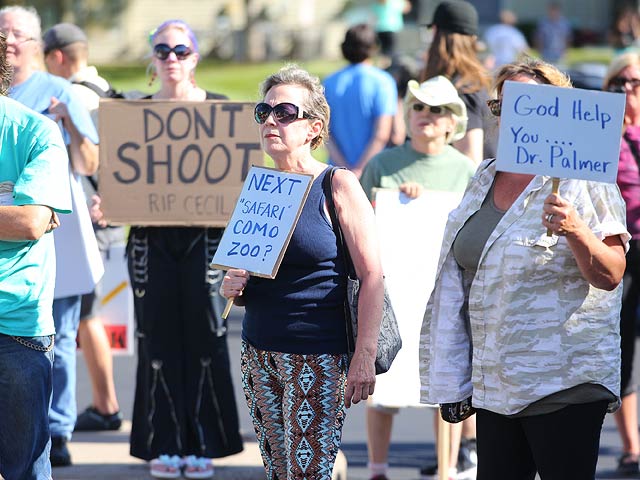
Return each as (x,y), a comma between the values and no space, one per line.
(297,405)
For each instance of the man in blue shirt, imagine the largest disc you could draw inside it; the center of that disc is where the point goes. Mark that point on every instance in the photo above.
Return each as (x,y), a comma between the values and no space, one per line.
(34,187)
(53,96)
(363,101)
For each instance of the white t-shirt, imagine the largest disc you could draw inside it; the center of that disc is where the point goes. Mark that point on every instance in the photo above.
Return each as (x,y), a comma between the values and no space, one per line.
(505,42)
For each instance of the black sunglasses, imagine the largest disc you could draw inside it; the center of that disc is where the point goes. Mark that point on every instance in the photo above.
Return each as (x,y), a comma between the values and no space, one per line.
(495,107)
(162,51)
(284,113)
(618,84)
(435,109)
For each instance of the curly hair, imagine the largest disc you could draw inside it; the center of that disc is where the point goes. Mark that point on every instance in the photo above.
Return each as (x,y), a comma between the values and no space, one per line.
(455,56)
(315,105)
(544,72)
(6,70)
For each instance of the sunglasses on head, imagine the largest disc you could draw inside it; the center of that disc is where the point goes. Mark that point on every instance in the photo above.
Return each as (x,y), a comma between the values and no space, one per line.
(495,106)
(284,113)
(162,51)
(435,109)
(618,84)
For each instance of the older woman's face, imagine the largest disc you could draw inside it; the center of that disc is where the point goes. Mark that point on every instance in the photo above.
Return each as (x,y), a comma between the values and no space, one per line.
(282,139)
(631,87)
(173,69)
(427,123)
(22,47)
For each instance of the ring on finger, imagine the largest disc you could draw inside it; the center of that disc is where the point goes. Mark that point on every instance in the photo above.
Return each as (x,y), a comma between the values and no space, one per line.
(550,217)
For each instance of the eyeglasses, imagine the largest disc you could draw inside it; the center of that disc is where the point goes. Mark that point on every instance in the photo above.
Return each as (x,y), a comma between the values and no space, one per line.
(18,35)
(495,106)
(162,51)
(284,113)
(435,109)
(619,84)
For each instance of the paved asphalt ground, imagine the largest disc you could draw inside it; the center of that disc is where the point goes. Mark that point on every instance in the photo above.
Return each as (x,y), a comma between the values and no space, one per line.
(104,456)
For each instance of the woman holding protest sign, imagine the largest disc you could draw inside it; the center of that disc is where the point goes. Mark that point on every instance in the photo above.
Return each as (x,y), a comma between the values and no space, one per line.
(435,116)
(522,326)
(296,375)
(184,411)
(623,76)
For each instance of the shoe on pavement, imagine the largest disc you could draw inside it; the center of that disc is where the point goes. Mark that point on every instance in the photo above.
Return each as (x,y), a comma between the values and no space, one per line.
(467,465)
(166,466)
(628,465)
(430,472)
(91,420)
(197,467)
(59,455)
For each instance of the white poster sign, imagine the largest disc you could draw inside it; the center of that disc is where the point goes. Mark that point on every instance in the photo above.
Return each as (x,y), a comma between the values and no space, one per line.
(263,221)
(410,234)
(560,132)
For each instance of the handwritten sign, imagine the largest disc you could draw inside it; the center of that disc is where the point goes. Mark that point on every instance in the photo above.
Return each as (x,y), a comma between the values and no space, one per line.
(263,221)
(560,132)
(174,163)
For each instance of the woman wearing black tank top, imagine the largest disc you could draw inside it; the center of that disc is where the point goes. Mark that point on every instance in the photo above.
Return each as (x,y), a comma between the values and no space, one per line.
(296,377)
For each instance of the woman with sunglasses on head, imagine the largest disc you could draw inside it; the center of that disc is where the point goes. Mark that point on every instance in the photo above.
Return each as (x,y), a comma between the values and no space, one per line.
(435,116)
(184,411)
(295,370)
(623,76)
(522,326)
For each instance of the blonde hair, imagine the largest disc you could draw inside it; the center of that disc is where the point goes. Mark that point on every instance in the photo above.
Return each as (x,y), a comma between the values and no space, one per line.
(541,71)
(618,64)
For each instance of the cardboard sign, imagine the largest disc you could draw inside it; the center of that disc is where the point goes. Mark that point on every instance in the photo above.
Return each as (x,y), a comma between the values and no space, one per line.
(263,221)
(560,132)
(410,233)
(174,163)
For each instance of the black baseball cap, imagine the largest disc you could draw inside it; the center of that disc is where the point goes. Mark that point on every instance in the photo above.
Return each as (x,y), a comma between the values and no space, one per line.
(456,16)
(61,35)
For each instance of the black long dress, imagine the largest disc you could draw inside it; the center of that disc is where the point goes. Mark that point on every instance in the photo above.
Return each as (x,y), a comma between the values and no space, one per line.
(184,400)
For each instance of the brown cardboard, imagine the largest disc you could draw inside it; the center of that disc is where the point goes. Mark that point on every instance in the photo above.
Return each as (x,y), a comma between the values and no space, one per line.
(174,163)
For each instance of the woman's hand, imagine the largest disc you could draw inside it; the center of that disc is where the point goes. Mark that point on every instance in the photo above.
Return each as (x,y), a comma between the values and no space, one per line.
(601,262)
(411,189)
(95,211)
(361,379)
(234,282)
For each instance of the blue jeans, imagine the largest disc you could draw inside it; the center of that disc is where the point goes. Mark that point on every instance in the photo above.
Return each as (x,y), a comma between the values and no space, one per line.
(63,411)
(25,394)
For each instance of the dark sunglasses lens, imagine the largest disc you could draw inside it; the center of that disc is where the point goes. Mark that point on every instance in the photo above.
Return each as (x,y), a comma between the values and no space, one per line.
(436,110)
(262,112)
(182,51)
(417,107)
(285,112)
(162,51)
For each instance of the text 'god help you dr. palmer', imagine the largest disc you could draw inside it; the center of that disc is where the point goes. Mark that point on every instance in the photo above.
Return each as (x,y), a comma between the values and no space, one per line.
(560,132)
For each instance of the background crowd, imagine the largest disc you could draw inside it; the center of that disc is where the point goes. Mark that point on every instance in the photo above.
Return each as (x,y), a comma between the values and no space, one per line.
(431,127)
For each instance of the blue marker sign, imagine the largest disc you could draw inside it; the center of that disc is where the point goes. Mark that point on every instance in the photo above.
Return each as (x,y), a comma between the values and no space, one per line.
(263,221)
(560,132)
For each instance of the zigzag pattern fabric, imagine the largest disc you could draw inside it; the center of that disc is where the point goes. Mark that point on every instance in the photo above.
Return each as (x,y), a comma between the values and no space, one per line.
(297,406)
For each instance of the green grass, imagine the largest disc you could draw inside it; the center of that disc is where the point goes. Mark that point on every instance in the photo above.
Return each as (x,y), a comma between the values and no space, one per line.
(239,81)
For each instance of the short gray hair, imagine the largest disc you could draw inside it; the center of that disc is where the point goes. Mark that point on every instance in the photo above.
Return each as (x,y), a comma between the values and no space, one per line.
(315,105)
(31,14)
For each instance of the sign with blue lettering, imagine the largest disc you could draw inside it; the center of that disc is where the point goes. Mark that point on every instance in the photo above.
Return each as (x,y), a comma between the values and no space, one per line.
(263,221)
(560,132)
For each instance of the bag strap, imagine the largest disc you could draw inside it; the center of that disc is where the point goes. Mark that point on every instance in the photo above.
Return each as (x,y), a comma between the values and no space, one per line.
(327,187)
